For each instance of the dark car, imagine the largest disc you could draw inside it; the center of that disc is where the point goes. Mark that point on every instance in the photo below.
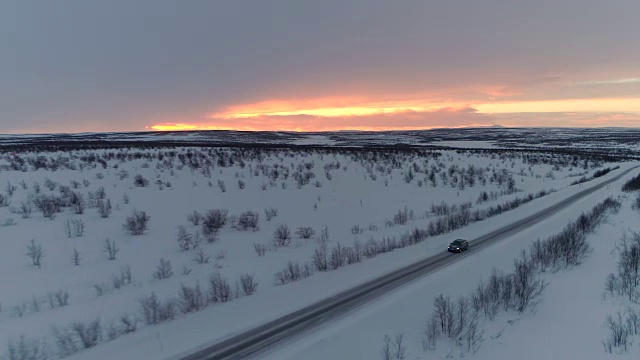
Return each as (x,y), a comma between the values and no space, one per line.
(458,245)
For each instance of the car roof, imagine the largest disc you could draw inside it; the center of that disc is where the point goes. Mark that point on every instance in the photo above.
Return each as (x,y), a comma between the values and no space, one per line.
(458,240)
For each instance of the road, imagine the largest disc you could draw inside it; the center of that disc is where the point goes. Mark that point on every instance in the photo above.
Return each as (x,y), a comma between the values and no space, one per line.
(252,342)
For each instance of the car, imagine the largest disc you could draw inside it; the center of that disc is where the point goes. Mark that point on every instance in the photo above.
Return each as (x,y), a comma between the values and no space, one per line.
(458,245)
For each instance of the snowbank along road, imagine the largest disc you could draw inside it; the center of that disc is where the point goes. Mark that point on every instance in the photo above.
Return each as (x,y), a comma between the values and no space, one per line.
(252,342)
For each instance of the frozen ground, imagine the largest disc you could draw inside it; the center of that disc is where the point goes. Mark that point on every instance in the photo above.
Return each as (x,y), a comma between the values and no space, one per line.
(336,189)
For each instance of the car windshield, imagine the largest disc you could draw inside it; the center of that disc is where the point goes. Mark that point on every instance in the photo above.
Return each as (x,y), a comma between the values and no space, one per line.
(457,242)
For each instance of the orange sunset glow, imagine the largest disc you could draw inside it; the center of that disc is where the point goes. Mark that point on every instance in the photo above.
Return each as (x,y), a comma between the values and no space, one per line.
(351,113)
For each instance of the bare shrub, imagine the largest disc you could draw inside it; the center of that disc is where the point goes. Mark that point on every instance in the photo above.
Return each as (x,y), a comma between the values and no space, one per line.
(527,286)
(49,205)
(247,220)
(394,349)
(74,228)
(77,203)
(194,218)
(4,201)
(155,311)
(248,284)
(305,232)
(191,299)
(89,335)
(201,258)
(75,257)
(222,186)
(123,278)
(472,336)
(357,229)
(164,270)
(618,334)
(35,252)
(213,221)
(219,289)
(627,279)
(431,334)
(320,257)
(110,249)
(259,249)
(124,325)
(282,235)
(58,298)
(184,239)
(27,349)
(293,272)
(104,208)
(50,184)
(25,210)
(338,257)
(401,217)
(66,344)
(137,223)
(354,255)
(270,213)
(140,181)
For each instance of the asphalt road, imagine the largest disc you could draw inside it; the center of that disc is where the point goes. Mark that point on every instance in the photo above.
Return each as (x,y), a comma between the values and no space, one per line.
(252,342)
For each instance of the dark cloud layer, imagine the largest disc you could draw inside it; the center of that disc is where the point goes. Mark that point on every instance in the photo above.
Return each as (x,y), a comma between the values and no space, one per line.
(120,65)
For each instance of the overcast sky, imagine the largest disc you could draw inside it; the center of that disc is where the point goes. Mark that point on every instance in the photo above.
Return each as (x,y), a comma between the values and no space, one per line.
(120,65)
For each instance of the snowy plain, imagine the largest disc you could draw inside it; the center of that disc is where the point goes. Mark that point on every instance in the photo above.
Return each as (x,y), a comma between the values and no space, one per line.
(366,191)
(568,322)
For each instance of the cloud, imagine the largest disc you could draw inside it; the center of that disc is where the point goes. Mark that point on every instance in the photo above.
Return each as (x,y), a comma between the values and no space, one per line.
(612,82)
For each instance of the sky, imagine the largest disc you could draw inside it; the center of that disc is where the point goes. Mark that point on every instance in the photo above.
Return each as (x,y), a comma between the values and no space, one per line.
(122,65)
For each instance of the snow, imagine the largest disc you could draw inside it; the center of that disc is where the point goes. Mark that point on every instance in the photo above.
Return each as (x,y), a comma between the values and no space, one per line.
(567,324)
(466,144)
(351,197)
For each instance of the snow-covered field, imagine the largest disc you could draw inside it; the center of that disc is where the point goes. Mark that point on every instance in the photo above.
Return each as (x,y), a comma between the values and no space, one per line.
(52,204)
(568,321)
